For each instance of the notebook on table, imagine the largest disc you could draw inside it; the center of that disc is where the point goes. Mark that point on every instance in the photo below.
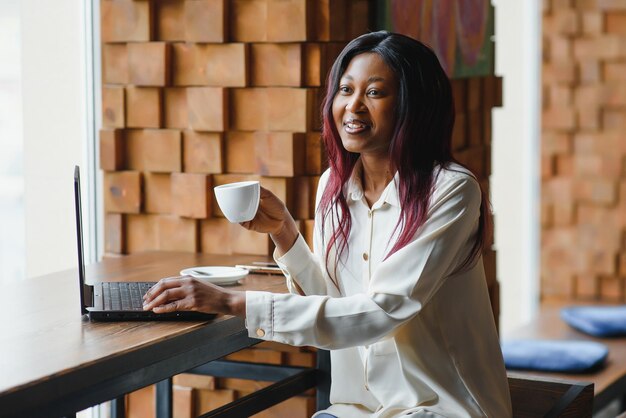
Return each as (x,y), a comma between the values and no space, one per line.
(115,301)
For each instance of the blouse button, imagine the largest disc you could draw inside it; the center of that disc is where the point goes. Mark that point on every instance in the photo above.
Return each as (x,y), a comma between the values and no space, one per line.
(260,332)
(365,256)
(369,214)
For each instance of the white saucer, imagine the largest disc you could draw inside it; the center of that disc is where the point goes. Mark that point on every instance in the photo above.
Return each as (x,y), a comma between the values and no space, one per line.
(216,274)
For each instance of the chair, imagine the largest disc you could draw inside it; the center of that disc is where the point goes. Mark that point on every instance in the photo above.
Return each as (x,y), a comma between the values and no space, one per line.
(534,397)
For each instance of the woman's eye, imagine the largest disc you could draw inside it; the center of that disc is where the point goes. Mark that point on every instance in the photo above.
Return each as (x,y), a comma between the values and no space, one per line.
(344,89)
(373,93)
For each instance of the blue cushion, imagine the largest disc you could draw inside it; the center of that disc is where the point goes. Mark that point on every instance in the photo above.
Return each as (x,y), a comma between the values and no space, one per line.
(599,321)
(554,355)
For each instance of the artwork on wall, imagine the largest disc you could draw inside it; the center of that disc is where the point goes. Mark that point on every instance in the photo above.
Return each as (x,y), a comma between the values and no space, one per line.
(459,31)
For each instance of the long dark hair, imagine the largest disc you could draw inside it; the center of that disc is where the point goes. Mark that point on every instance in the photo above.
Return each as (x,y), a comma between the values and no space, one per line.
(421,140)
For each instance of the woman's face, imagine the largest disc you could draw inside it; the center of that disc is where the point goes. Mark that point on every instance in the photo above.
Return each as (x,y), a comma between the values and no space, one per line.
(364,106)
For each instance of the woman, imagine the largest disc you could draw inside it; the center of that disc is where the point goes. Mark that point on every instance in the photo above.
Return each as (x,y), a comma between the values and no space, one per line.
(396,287)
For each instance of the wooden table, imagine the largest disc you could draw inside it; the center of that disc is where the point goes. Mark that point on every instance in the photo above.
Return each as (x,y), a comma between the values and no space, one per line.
(54,362)
(610,382)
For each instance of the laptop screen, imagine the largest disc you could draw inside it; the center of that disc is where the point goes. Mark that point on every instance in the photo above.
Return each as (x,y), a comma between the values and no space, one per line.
(79,243)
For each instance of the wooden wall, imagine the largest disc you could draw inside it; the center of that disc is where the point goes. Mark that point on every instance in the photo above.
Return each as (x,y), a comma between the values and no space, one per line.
(583,150)
(198,93)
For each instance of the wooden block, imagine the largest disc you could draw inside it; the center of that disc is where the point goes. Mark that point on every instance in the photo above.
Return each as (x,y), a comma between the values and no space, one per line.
(223,65)
(474,93)
(587,286)
(280,154)
(183,398)
(615,22)
(559,72)
(248,109)
(149,63)
(206,20)
(560,119)
(316,159)
(125,20)
(185,70)
(359,17)
(114,64)
(300,359)
(114,233)
(140,403)
(215,236)
(459,93)
(177,234)
(170,20)
(598,191)
(207,400)
(113,107)
(592,22)
(614,120)
(304,198)
(255,355)
(240,152)
(154,150)
(290,109)
(242,385)
(190,195)
(143,107)
(243,241)
(195,381)
(621,271)
(202,152)
(289,20)
(248,20)
(142,233)
(475,128)
(309,231)
(330,20)
(473,159)
(612,289)
(208,108)
(158,193)
(614,71)
(460,132)
(175,104)
(315,64)
(277,64)
(282,187)
(111,150)
(604,47)
(122,192)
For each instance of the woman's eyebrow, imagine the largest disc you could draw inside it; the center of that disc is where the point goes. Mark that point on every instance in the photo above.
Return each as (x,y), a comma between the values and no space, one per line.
(372,79)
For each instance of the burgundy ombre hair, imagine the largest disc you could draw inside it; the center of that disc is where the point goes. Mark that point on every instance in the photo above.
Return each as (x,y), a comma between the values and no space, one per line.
(421,139)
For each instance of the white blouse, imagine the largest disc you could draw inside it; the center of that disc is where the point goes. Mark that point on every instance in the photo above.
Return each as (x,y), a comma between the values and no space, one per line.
(410,335)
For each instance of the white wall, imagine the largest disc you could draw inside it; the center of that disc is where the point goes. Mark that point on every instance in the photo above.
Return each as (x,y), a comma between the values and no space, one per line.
(53,97)
(515,159)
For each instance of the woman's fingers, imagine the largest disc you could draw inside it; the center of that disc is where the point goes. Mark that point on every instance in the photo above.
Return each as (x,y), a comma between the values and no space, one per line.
(165,296)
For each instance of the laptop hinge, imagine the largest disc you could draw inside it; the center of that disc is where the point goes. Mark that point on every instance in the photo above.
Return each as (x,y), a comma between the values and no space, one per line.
(89,295)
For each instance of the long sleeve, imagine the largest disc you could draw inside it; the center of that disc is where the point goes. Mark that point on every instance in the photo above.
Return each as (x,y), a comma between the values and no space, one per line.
(398,289)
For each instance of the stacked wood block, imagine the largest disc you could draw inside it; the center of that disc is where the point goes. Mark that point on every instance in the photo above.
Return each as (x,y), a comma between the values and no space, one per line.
(198,93)
(583,152)
(474,99)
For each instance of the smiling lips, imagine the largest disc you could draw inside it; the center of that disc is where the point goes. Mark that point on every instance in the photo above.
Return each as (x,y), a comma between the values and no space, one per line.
(355,126)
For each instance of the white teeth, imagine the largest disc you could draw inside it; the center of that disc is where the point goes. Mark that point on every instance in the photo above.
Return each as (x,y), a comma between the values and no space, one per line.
(353,125)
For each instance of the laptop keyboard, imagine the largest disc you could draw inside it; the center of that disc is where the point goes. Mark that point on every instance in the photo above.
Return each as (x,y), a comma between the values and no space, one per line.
(124,296)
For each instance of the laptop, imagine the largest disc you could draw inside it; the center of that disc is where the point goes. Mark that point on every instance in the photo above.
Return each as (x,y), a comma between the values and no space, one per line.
(116,301)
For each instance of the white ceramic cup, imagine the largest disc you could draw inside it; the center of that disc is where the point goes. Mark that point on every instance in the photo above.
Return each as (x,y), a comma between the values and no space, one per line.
(238,201)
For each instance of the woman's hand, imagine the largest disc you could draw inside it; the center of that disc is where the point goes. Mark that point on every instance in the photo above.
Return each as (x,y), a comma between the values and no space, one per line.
(273,218)
(185,293)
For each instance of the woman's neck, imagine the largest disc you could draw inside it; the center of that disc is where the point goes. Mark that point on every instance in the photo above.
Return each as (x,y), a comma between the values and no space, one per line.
(376,176)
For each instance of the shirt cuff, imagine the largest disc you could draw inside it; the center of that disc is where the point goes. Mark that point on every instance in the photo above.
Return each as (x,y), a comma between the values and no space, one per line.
(260,314)
(292,261)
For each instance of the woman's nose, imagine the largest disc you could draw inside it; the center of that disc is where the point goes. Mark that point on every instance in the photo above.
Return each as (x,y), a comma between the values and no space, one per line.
(355,104)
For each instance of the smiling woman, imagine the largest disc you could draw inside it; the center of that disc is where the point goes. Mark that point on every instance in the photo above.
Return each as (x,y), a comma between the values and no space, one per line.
(395,287)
